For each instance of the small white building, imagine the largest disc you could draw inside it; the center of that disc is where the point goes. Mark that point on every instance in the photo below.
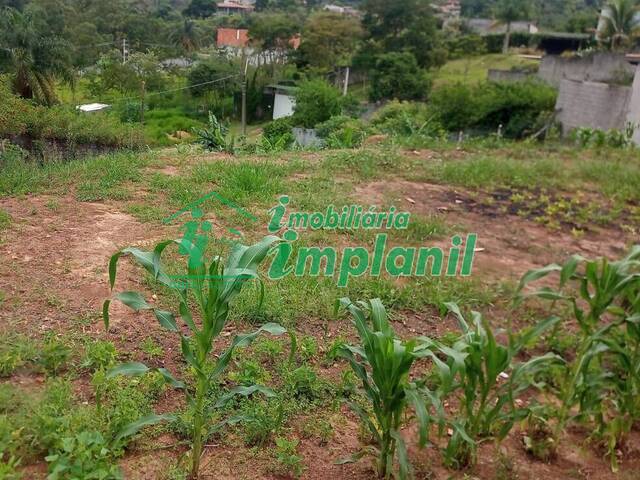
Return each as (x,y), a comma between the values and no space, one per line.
(284,101)
(92,107)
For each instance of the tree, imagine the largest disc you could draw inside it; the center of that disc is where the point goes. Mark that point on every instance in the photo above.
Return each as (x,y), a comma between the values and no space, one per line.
(127,77)
(329,40)
(397,75)
(205,72)
(186,36)
(620,23)
(508,11)
(33,54)
(393,26)
(201,8)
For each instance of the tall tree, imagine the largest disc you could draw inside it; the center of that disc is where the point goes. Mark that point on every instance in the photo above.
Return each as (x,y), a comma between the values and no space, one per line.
(398,25)
(507,12)
(186,36)
(201,8)
(329,40)
(620,23)
(33,54)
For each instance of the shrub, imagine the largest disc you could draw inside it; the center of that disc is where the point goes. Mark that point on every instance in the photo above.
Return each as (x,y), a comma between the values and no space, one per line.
(397,75)
(316,102)
(407,119)
(279,132)
(342,132)
(517,106)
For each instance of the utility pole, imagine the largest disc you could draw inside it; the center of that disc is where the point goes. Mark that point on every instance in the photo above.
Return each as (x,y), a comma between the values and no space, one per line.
(346,82)
(244,98)
(125,52)
(142,94)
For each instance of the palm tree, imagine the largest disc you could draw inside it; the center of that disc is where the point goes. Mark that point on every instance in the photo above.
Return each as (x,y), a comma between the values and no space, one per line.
(32,59)
(186,36)
(508,11)
(619,23)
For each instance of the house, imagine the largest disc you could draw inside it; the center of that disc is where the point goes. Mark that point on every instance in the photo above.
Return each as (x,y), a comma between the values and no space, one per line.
(448,10)
(230,7)
(232,38)
(488,26)
(350,11)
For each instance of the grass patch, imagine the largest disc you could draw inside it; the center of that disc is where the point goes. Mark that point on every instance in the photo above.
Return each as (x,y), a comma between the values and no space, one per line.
(97,178)
(474,69)
(5,220)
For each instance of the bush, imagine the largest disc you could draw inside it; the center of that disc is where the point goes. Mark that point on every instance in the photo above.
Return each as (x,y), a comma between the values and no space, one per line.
(342,132)
(516,106)
(279,130)
(407,119)
(316,102)
(397,75)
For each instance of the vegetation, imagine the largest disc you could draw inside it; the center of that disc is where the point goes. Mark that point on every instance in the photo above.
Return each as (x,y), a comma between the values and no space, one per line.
(212,284)
(493,376)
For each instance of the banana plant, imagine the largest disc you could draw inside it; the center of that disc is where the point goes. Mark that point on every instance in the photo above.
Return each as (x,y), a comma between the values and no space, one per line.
(204,296)
(489,380)
(383,364)
(603,380)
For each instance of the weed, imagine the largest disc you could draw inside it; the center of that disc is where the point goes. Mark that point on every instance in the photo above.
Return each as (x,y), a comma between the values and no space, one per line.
(99,354)
(308,348)
(5,220)
(85,455)
(54,353)
(15,352)
(287,460)
(151,348)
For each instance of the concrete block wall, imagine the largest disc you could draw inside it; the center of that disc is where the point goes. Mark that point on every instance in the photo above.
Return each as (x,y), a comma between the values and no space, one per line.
(593,104)
(603,67)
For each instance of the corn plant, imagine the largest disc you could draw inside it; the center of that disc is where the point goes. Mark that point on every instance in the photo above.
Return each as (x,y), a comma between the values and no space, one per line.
(383,363)
(489,380)
(206,291)
(603,380)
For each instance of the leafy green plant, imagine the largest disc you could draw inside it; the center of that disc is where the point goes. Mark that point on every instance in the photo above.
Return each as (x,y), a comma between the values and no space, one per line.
(383,364)
(287,459)
(603,379)
(209,285)
(98,355)
(86,455)
(54,353)
(214,136)
(490,380)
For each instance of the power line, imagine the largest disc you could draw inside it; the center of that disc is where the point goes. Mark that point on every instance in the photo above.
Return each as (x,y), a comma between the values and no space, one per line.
(125,99)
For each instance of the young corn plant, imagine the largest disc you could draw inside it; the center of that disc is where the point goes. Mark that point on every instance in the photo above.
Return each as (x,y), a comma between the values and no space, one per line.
(204,297)
(489,380)
(383,364)
(603,380)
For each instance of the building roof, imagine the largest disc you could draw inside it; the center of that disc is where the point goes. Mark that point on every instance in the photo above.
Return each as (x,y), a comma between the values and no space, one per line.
(488,26)
(92,107)
(229,4)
